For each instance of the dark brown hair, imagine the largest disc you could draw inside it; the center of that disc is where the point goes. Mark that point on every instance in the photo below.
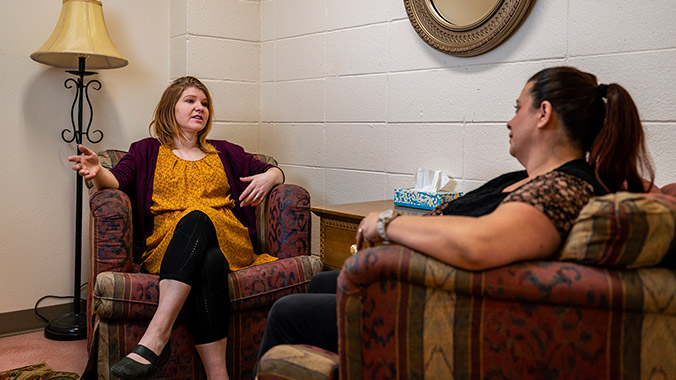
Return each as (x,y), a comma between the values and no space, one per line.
(602,120)
(164,124)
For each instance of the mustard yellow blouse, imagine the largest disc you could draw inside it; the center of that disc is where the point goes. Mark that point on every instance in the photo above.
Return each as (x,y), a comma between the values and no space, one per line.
(182,186)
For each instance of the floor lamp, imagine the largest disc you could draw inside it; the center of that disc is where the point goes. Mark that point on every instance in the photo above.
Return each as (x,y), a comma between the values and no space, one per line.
(80,37)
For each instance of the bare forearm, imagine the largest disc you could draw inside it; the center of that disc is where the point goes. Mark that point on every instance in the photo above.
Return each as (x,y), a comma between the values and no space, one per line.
(514,232)
(105,180)
(279,175)
(454,240)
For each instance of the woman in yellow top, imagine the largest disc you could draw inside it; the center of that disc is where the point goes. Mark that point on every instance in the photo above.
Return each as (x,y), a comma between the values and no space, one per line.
(194,222)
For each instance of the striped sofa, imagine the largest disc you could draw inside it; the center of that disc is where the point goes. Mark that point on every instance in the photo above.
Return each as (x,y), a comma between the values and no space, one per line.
(605,308)
(122,300)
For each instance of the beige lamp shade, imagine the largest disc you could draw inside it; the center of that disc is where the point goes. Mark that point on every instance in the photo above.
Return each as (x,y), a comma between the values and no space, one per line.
(80,32)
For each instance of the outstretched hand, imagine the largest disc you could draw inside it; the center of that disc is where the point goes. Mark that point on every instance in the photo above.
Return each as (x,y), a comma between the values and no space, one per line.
(259,186)
(86,164)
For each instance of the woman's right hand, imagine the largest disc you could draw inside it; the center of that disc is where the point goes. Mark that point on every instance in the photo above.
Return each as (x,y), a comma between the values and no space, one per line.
(86,164)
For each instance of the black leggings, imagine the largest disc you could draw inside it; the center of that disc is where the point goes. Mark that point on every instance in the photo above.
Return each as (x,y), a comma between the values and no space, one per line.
(304,318)
(193,257)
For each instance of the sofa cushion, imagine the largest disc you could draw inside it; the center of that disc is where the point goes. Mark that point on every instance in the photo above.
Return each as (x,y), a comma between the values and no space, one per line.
(298,362)
(624,230)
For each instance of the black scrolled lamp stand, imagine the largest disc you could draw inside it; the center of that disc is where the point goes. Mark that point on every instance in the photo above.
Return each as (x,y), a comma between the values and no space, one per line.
(79,35)
(73,326)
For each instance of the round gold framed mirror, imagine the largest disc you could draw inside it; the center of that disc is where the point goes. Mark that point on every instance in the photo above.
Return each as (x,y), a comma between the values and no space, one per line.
(466,28)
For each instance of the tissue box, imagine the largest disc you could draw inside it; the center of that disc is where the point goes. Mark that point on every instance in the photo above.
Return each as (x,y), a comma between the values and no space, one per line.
(422,199)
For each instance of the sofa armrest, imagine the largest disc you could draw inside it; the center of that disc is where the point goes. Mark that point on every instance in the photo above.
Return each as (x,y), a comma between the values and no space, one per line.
(262,285)
(120,295)
(284,222)
(110,232)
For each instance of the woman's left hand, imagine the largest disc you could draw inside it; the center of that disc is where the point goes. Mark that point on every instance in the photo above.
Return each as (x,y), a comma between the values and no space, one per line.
(259,186)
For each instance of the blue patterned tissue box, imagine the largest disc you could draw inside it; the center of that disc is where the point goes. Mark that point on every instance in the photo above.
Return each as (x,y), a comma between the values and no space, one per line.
(422,199)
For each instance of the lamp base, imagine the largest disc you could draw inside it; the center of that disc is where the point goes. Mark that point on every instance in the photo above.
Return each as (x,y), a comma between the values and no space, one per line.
(69,326)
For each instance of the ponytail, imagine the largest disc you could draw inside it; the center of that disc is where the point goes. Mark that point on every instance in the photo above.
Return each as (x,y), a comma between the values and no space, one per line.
(610,131)
(618,154)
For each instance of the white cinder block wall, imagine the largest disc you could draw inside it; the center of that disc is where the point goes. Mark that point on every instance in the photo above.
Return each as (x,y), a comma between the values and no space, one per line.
(353,101)
(219,42)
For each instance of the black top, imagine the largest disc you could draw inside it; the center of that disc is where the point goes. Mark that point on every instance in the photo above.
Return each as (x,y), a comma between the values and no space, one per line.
(488,197)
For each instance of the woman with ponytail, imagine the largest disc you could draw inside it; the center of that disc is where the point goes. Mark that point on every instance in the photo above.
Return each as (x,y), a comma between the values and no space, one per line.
(575,138)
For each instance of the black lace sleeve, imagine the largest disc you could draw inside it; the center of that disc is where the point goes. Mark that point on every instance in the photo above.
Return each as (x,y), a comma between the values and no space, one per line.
(558,195)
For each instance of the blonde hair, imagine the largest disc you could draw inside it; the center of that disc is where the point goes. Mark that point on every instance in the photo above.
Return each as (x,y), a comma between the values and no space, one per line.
(164,125)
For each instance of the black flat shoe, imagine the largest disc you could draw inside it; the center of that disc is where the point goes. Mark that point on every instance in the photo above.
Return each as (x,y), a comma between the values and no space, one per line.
(133,370)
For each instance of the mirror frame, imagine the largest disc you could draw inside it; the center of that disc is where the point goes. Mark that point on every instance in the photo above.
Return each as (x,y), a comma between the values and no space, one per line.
(481,37)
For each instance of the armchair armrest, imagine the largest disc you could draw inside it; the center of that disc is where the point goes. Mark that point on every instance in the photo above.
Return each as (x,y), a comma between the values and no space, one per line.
(119,295)
(298,362)
(402,314)
(284,222)
(262,285)
(110,232)
(546,282)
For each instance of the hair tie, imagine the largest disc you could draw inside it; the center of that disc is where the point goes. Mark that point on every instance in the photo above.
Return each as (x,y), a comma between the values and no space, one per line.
(603,90)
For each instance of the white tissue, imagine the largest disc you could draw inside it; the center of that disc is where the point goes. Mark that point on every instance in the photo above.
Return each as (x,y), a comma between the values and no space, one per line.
(433,181)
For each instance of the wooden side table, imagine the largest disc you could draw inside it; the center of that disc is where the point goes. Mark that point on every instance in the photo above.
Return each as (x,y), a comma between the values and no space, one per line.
(338,227)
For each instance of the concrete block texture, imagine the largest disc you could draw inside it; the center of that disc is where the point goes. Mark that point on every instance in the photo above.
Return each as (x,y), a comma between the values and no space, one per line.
(349,13)
(484,92)
(356,146)
(294,143)
(235,101)
(214,58)
(608,26)
(231,19)
(299,17)
(660,139)
(361,50)
(357,98)
(178,13)
(429,146)
(348,186)
(300,57)
(300,101)
(243,134)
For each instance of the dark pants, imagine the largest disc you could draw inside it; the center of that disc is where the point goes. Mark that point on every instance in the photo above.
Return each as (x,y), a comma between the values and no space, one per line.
(193,257)
(304,318)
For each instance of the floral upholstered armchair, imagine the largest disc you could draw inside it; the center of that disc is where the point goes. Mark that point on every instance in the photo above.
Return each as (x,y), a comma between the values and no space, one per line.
(122,300)
(605,308)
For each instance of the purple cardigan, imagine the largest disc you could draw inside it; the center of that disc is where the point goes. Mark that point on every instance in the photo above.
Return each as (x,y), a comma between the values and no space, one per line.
(136,171)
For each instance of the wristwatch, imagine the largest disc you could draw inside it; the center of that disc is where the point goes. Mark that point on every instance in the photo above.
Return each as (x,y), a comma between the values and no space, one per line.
(384,219)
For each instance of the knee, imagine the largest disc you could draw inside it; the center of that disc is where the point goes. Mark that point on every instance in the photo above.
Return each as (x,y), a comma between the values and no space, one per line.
(284,309)
(324,282)
(215,263)
(193,218)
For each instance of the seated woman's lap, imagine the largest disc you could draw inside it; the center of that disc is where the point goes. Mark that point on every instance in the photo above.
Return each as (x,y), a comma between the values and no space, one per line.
(324,282)
(305,318)
(193,257)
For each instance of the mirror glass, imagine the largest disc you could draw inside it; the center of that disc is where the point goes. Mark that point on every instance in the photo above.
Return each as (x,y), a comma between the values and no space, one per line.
(464,13)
